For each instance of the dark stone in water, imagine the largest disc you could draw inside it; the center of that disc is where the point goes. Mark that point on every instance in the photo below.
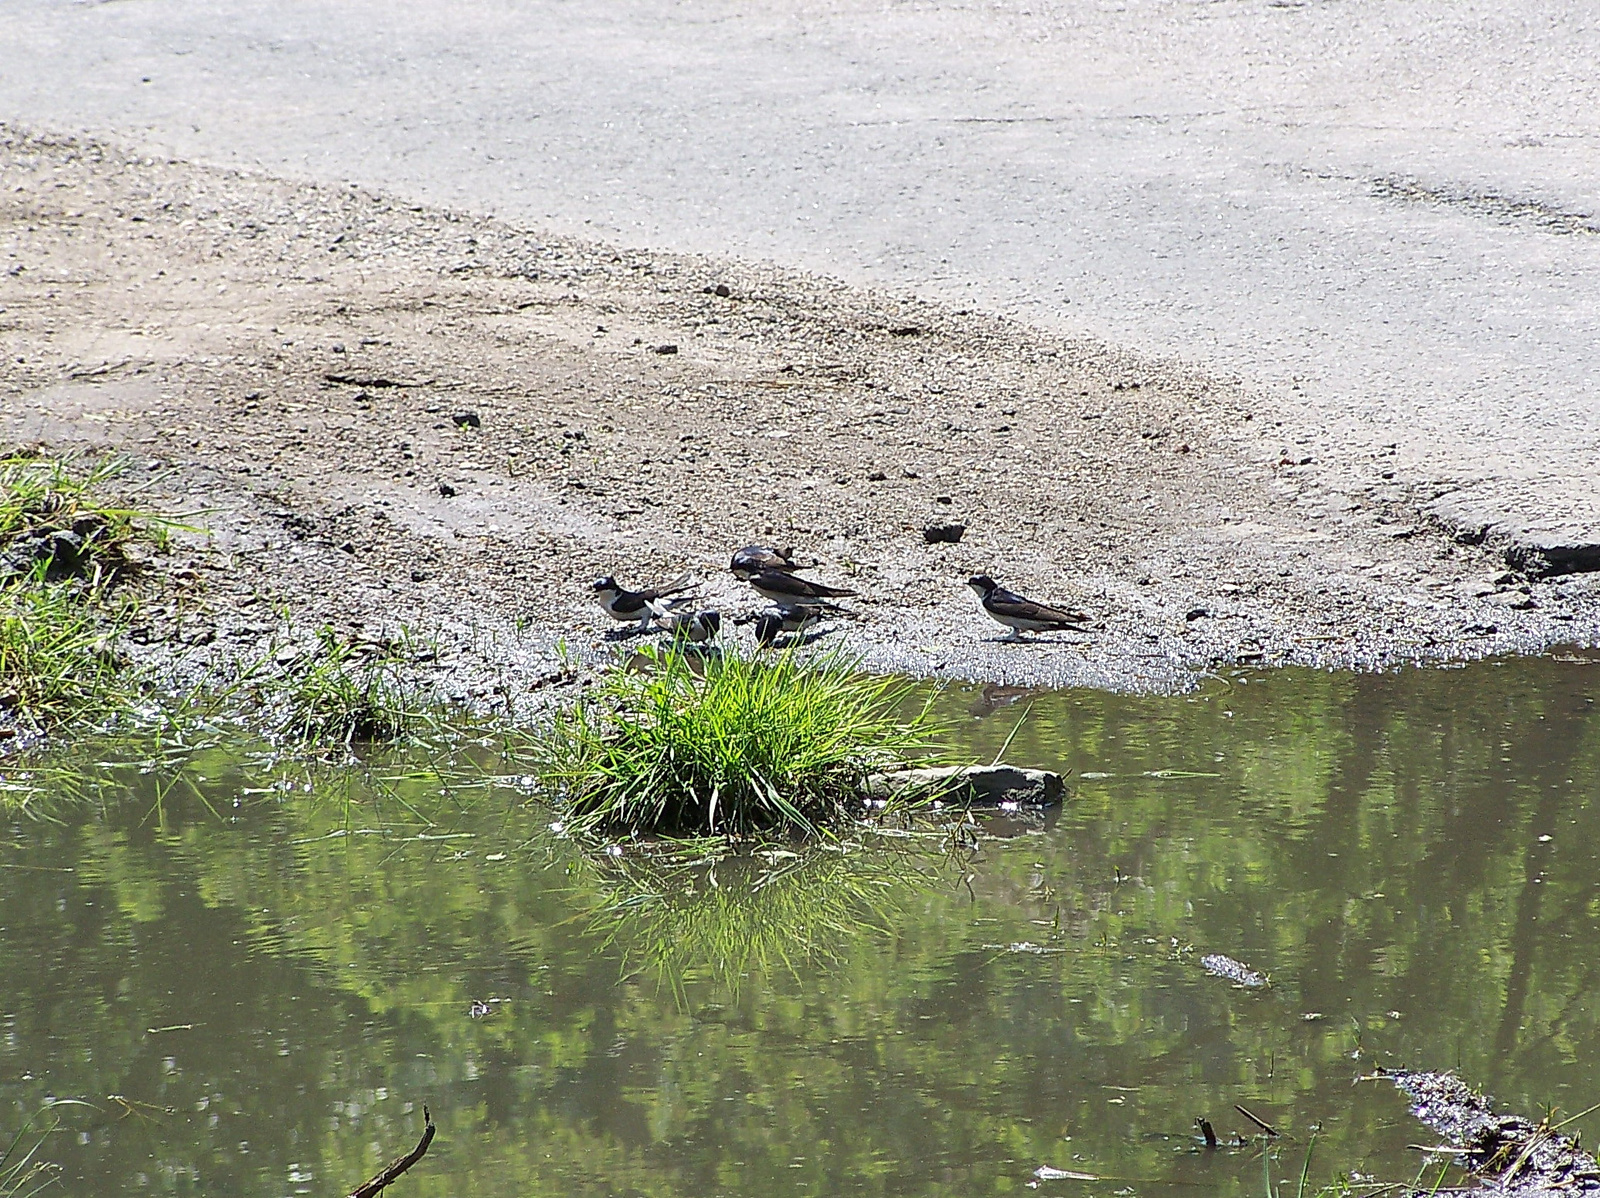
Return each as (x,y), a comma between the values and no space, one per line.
(979,785)
(1236,972)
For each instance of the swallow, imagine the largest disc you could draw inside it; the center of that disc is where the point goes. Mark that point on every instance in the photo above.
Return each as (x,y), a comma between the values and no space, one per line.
(753,559)
(790,590)
(772,624)
(694,626)
(636,606)
(1023,615)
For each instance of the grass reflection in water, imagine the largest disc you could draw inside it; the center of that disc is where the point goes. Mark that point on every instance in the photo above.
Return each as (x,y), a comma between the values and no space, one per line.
(693,914)
(268,974)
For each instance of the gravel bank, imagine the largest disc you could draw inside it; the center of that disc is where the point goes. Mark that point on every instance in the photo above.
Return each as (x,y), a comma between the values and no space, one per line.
(391,414)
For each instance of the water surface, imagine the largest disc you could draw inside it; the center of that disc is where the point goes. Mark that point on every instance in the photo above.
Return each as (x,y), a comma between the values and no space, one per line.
(259,971)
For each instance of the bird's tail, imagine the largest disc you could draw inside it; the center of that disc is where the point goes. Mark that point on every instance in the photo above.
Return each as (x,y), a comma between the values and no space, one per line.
(664,609)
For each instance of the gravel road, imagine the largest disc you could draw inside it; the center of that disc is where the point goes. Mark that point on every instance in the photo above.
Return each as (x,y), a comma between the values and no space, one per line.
(384,413)
(1379,217)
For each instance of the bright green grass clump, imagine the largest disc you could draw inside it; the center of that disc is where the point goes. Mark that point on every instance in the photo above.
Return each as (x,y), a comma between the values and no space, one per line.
(56,517)
(727,743)
(56,656)
(63,548)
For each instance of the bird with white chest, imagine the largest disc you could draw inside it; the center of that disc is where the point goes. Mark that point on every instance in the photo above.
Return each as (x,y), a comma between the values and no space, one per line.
(1023,615)
(641,608)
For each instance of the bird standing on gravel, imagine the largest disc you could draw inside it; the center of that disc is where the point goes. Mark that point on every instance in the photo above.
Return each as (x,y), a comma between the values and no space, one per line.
(753,559)
(697,627)
(770,625)
(1023,615)
(639,607)
(789,590)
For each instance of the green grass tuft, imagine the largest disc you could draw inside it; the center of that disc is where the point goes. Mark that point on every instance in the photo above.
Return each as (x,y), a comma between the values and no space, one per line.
(57,660)
(63,547)
(53,517)
(338,692)
(705,744)
(22,1173)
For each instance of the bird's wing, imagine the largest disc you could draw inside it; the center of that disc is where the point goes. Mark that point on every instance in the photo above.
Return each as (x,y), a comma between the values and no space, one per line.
(1007,603)
(822,591)
(681,583)
(630,601)
(782,584)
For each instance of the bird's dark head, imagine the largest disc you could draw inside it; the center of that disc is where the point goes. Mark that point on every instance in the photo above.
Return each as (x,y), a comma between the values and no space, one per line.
(983,585)
(711,621)
(769,626)
(605,583)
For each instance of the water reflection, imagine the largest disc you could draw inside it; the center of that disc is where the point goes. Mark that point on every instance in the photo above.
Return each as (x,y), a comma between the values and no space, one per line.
(259,972)
(706,915)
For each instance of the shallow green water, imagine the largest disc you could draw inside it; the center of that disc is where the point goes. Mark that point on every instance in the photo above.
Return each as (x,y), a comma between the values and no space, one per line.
(258,984)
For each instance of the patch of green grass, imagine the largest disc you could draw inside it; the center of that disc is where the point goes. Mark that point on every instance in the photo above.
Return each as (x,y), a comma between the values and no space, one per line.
(63,547)
(705,744)
(337,692)
(57,655)
(56,516)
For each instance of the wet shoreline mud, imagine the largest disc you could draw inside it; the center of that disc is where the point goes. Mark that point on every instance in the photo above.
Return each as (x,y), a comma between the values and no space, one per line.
(385,415)
(1509,1155)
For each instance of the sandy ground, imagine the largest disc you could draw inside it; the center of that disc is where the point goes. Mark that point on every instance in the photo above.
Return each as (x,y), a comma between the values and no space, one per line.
(1383,215)
(385,414)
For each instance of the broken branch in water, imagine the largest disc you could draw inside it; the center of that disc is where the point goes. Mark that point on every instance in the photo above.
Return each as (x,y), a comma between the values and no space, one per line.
(1261,1123)
(402,1164)
(1209,1132)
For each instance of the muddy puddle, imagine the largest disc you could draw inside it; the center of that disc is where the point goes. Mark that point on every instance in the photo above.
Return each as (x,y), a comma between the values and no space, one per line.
(258,971)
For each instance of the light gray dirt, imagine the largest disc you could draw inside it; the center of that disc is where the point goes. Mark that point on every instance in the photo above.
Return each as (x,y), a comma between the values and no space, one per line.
(1382,215)
(287,360)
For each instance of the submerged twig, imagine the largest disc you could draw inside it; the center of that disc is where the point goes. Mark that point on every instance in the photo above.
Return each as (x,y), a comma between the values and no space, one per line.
(382,1180)
(1259,1122)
